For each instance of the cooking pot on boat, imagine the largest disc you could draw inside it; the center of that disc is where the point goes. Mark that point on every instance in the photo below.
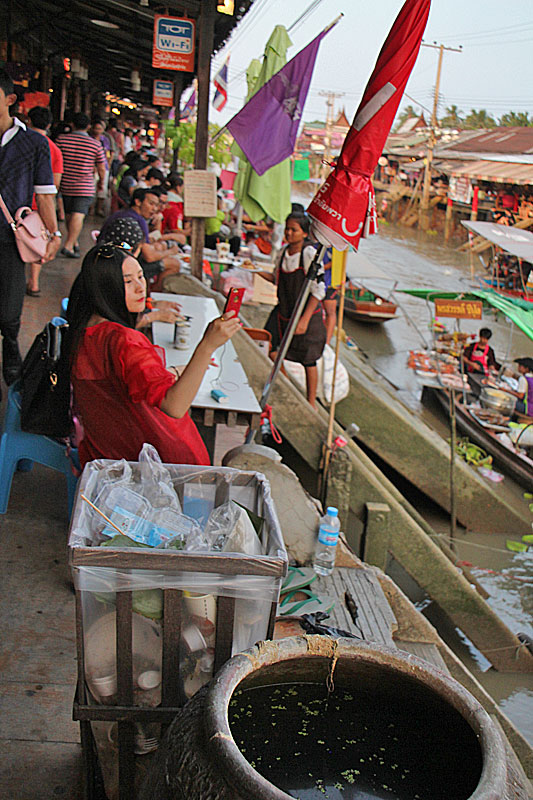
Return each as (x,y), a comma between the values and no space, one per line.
(497,400)
(444,746)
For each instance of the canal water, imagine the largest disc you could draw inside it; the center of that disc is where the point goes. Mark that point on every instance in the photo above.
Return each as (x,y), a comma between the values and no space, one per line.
(414,259)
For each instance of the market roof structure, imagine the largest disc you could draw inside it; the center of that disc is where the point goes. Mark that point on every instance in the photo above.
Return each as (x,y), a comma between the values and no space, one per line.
(113,37)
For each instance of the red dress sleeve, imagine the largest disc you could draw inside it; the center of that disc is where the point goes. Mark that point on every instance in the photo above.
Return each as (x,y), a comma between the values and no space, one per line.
(141,366)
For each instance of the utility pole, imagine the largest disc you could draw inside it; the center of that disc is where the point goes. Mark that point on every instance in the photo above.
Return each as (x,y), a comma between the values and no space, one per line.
(424,205)
(330,105)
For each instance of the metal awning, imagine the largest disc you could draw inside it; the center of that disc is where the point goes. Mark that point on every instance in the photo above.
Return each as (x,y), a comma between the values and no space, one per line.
(496,172)
(513,240)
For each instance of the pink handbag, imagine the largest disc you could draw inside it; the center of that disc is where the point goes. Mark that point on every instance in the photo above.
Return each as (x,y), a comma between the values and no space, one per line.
(30,232)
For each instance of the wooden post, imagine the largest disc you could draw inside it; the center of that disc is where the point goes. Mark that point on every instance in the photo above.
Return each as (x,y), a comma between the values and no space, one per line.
(475,203)
(377,534)
(205,49)
(448,220)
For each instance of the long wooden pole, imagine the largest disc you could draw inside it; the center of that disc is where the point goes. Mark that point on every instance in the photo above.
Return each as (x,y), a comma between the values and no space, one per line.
(331,420)
(205,49)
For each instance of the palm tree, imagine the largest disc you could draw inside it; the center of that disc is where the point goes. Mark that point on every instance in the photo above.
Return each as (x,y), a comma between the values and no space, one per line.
(406,114)
(452,118)
(479,119)
(516,119)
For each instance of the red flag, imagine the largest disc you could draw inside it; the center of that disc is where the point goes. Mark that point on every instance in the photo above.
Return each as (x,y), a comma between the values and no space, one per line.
(344,207)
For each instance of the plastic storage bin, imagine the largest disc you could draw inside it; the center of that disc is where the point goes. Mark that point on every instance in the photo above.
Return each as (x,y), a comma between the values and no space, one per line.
(153,625)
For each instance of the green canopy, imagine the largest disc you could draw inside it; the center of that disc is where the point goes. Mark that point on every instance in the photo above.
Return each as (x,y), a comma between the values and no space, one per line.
(267,195)
(514,310)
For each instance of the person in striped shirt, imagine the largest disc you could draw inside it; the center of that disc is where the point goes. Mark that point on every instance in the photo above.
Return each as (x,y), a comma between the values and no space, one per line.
(82,155)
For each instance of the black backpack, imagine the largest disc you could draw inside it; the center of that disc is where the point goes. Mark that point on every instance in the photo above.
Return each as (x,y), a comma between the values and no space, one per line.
(45,385)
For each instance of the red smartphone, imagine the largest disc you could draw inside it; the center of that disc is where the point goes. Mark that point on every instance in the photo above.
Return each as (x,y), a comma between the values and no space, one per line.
(234,301)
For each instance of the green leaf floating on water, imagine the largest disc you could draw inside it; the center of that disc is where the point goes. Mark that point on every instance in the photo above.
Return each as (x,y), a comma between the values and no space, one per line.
(516,547)
(148,602)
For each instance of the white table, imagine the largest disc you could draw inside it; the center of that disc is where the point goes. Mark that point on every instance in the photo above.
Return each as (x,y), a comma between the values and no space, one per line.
(225,373)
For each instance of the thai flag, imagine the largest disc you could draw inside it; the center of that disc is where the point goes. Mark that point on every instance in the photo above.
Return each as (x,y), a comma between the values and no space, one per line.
(220,98)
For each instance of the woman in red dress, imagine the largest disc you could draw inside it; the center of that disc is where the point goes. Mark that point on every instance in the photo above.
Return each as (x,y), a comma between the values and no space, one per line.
(123,393)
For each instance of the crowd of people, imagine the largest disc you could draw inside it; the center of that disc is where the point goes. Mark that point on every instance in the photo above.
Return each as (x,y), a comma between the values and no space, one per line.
(90,167)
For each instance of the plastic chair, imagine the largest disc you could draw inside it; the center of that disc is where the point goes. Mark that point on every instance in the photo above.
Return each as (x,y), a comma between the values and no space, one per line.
(19,449)
(64,306)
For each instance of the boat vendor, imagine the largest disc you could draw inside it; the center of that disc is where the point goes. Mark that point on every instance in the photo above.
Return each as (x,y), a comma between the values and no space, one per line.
(524,390)
(479,356)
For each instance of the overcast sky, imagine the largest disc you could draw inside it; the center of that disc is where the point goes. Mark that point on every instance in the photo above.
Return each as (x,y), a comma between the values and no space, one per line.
(493,71)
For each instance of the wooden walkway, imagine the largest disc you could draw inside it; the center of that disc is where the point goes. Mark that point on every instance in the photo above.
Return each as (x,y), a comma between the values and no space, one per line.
(371,617)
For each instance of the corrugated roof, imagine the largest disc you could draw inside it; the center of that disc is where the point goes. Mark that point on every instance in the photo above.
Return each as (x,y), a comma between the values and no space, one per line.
(496,171)
(498,140)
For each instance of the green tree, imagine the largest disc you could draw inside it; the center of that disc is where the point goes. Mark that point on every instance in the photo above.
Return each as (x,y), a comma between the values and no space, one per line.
(406,114)
(183,143)
(452,118)
(479,119)
(516,119)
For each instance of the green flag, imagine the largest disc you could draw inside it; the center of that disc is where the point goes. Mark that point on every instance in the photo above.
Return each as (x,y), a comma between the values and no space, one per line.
(268,195)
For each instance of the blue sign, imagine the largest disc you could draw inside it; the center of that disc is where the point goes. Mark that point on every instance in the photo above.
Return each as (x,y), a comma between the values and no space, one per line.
(174,36)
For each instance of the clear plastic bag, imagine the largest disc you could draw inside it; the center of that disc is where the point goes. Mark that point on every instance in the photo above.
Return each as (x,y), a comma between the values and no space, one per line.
(229,529)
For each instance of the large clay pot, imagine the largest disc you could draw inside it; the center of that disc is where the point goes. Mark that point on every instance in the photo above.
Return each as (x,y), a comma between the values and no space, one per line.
(201,761)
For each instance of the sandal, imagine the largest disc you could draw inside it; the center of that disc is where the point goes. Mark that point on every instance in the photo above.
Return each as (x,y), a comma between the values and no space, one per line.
(309,605)
(297,578)
(33,292)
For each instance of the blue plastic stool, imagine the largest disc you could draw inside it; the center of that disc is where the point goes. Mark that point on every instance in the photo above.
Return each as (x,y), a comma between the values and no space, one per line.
(18,448)
(64,306)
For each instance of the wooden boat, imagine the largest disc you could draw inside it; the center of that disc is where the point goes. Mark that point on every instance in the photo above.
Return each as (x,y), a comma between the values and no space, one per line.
(363,304)
(518,467)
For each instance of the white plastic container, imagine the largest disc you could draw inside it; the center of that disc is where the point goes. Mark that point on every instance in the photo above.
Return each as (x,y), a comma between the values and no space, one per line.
(328,536)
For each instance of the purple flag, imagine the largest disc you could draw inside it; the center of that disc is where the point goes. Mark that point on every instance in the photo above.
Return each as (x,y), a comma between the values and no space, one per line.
(266,127)
(188,109)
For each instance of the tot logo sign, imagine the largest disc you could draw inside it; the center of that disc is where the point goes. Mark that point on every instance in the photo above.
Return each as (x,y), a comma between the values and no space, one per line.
(173,45)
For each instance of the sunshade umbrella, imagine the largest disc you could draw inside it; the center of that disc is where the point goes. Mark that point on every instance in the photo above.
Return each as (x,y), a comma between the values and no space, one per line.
(268,195)
(344,208)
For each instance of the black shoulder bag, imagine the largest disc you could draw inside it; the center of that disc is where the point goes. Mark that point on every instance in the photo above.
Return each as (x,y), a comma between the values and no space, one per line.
(45,385)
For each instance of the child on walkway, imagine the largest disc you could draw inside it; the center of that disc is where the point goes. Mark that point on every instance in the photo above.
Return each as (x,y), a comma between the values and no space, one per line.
(310,334)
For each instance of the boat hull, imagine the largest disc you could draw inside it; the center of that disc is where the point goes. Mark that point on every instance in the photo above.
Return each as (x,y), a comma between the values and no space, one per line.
(517,468)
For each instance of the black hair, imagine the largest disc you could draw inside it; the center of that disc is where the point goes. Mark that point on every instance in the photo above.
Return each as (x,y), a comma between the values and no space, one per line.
(140,194)
(131,157)
(486,333)
(40,117)
(150,158)
(98,289)
(153,172)
(135,168)
(174,180)
(97,121)
(6,83)
(302,219)
(80,121)
(297,208)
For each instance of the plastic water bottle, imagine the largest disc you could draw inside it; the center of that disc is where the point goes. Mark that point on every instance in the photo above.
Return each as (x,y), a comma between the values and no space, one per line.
(328,536)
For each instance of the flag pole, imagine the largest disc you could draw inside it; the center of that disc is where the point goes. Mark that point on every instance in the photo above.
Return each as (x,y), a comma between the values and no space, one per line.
(221,131)
(289,330)
(329,438)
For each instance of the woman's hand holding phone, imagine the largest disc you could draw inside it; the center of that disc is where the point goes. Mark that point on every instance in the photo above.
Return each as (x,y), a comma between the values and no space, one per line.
(220,330)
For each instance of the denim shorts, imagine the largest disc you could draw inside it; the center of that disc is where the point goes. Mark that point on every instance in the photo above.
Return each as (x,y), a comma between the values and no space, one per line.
(74,204)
